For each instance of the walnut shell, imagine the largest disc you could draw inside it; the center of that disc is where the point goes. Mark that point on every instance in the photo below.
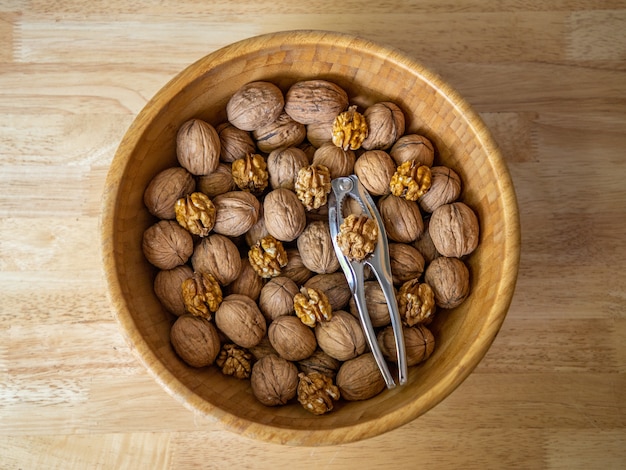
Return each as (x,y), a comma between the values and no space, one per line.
(360,378)
(419,344)
(248,282)
(339,162)
(291,338)
(276,298)
(445,187)
(274,380)
(217,255)
(449,280)
(283,166)
(425,245)
(234,143)
(264,348)
(341,337)
(236,213)
(374,169)
(257,231)
(377,306)
(254,105)
(167,288)
(334,285)
(320,133)
(316,248)
(239,318)
(406,262)
(314,101)
(195,340)
(281,133)
(402,219)
(165,189)
(216,183)
(385,122)
(413,147)
(284,214)
(198,147)
(295,268)
(454,229)
(167,245)
(320,362)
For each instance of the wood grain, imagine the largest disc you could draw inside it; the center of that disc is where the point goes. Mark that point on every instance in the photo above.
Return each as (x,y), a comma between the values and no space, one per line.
(550,81)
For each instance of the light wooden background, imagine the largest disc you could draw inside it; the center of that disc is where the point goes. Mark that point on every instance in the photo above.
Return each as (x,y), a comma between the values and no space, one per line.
(549,78)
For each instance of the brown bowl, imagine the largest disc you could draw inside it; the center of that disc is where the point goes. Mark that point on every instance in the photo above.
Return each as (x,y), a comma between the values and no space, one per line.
(369,72)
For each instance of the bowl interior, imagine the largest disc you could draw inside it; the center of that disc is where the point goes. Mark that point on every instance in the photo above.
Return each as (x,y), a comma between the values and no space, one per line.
(369,73)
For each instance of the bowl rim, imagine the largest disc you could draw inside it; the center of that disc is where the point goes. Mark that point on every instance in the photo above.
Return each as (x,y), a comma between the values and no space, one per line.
(268,432)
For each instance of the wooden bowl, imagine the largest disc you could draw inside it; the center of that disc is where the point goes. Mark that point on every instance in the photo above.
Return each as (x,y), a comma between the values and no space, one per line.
(368,72)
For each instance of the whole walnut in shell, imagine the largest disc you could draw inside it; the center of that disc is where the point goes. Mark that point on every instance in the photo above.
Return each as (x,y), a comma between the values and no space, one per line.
(320,362)
(385,121)
(198,147)
(320,133)
(219,256)
(284,214)
(339,162)
(257,231)
(281,133)
(235,143)
(167,245)
(341,337)
(254,105)
(445,187)
(454,229)
(374,169)
(449,280)
(315,101)
(402,219)
(216,183)
(239,318)
(376,302)
(165,189)
(334,285)
(236,213)
(276,297)
(413,147)
(248,282)
(195,340)
(295,268)
(316,248)
(419,344)
(360,378)
(274,380)
(425,245)
(283,165)
(291,338)
(167,288)
(406,262)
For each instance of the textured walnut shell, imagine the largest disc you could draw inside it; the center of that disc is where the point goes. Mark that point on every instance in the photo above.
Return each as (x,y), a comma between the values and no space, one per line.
(402,219)
(334,285)
(239,318)
(236,213)
(167,288)
(219,182)
(295,269)
(445,187)
(291,338)
(413,147)
(167,245)
(248,282)
(320,362)
(274,380)
(284,214)
(281,133)
(283,166)
(234,143)
(360,378)
(198,147)
(374,169)
(341,337)
(406,262)
(165,189)
(315,101)
(419,344)
(376,302)
(425,245)
(338,161)
(255,105)
(257,231)
(385,122)
(454,229)
(449,280)
(276,298)
(316,248)
(217,255)
(308,149)
(195,340)
(320,133)
(264,348)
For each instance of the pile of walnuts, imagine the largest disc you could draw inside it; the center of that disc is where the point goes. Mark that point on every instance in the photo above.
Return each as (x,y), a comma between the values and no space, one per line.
(245,257)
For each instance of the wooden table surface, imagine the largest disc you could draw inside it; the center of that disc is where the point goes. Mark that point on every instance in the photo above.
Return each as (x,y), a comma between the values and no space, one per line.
(549,79)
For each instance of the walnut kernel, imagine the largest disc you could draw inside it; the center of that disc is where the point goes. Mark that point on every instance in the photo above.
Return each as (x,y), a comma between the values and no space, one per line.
(313,186)
(250,173)
(312,306)
(202,295)
(357,236)
(267,257)
(410,181)
(316,392)
(349,129)
(416,302)
(195,213)
(235,361)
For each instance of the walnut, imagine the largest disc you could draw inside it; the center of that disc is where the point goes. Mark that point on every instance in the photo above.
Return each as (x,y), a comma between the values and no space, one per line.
(202,295)
(320,362)
(236,212)
(313,186)
(338,161)
(274,380)
(257,231)
(239,318)
(454,229)
(234,143)
(235,361)
(308,149)
(413,147)
(255,105)
(410,181)
(375,169)
(219,182)
(291,338)
(195,213)
(425,245)
(449,280)
(283,165)
(351,206)
(250,173)
(295,268)
(416,302)
(349,129)
(341,337)
(312,306)
(315,101)
(320,133)
(402,219)
(317,215)
(419,344)
(281,133)
(195,340)
(385,122)
(284,214)
(377,306)
(165,189)
(334,285)
(316,393)
(357,236)
(198,147)
(360,378)
(219,256)
(264,348)
(267,257)
(406,262)
(276,297)
(167,288)
(445,187)
(167,245)
(316,248)
(248,282)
